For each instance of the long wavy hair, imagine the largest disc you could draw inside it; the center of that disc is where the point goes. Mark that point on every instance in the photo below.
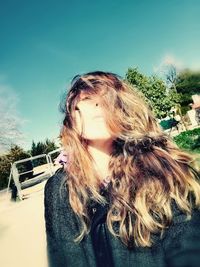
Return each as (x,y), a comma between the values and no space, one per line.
(148,171)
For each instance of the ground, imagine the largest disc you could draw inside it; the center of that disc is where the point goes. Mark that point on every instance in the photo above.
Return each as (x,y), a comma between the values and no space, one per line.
(22,230)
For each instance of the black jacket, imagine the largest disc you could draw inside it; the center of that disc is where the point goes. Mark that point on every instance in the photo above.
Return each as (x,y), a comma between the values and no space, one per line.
(179,247)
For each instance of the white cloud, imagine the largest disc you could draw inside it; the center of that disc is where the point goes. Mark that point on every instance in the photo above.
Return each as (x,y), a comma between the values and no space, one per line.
(171,60)
(168,59)
(10,120)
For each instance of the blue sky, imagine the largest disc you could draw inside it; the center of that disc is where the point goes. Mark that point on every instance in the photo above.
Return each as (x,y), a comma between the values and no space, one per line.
(45,43)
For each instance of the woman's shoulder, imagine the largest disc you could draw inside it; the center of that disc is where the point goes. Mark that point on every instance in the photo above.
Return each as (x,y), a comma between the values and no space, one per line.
(55,185)
(178,215)
(181,242)
(56,179)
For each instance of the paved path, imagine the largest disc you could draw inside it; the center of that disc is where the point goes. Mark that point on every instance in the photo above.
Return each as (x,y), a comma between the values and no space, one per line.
(22,231)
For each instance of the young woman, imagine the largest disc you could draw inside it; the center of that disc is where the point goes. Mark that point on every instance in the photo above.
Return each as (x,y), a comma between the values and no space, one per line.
(127,195)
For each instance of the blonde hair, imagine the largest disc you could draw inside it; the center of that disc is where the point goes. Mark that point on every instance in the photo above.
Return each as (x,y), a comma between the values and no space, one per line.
(148,171)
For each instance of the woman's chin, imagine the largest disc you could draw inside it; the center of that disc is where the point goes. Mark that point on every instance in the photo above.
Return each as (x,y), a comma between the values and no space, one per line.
(98,136)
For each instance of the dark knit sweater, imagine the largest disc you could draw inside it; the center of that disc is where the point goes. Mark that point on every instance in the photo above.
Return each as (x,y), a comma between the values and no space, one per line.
(180,245)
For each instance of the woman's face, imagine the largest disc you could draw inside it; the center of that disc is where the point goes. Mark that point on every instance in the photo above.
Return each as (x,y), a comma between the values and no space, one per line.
(90,120)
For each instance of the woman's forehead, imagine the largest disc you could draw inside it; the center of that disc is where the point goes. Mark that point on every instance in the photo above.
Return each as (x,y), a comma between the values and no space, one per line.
(90,94)
(84,98)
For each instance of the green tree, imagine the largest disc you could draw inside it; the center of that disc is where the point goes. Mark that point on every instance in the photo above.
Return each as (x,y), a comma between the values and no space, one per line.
(14,154)
(43,147)
(187,84)
(49,145)
(155,92)
(17,153)
(38,149)
(33,150)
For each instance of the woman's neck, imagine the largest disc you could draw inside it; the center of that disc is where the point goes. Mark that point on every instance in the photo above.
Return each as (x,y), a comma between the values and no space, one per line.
(100,151)
(100,146)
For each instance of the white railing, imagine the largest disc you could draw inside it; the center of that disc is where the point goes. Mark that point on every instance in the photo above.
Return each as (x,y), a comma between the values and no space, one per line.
(15,173)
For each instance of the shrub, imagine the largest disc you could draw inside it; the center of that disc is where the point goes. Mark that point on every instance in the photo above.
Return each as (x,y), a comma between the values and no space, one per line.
(189,140)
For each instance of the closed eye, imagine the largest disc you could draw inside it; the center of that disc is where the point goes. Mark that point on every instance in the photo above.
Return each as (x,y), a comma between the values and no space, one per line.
(86,98)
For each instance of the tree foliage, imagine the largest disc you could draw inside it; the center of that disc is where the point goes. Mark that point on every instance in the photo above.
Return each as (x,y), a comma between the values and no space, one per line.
(42,147)
(188,84)
(155,92)
(14,154)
